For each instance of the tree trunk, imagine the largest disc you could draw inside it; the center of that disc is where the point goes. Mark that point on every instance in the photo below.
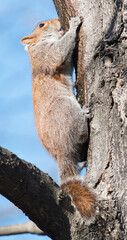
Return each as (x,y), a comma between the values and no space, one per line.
(102,84)
(102,77)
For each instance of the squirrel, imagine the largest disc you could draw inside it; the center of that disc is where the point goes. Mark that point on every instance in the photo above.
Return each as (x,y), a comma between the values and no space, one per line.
(61,123)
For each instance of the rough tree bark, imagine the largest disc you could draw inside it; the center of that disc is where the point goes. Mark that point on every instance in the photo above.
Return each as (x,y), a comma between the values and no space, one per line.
(102,79)
(102,76)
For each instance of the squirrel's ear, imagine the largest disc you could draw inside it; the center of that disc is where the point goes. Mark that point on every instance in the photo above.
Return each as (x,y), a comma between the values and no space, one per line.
(28,39)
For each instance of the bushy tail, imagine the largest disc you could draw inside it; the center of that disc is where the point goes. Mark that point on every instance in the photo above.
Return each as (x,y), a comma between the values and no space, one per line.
(82,197)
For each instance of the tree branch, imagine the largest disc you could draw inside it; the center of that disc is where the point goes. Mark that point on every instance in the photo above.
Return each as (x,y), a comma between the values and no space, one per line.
(41,199)
(36,194)
(28,227)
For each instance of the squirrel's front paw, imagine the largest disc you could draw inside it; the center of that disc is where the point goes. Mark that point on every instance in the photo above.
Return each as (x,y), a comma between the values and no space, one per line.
(74,22)
(86,111)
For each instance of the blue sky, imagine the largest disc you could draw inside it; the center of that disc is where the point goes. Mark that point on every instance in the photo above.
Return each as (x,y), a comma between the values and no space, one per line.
(17,129)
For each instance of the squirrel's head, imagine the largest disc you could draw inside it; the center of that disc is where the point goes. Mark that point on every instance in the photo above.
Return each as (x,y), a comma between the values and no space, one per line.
(46,30)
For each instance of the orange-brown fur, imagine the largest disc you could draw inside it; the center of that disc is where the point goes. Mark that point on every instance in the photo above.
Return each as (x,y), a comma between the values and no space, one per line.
(82,197)
(59,75)
(60,121)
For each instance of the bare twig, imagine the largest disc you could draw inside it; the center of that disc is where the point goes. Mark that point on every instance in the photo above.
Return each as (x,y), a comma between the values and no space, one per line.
(28,227)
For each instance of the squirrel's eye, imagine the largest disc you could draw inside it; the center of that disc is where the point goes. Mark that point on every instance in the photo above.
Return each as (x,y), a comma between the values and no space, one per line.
(41,25)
